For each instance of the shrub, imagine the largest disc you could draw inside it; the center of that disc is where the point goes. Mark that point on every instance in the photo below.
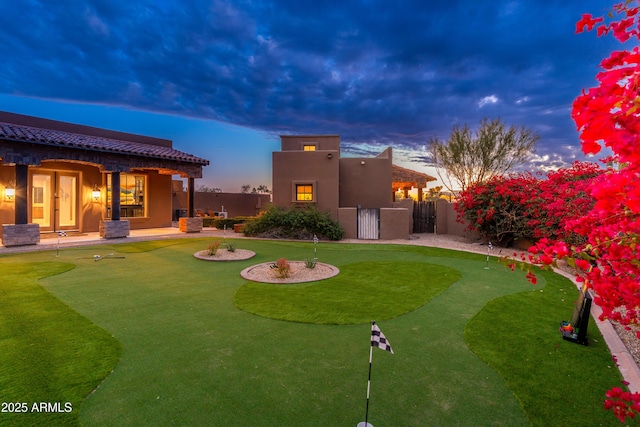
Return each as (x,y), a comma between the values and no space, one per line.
(219,223)
(527,207)
(231,246)
(212,248)
(310,263)
(297,223)
(282,267)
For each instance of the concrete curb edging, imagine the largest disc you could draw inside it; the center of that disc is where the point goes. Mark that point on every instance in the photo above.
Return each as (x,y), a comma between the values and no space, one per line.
(624,360)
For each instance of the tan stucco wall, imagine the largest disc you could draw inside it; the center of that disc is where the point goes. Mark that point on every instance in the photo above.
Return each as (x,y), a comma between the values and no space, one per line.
(446,221)
(158,202)
(319,168)
(408,205)
(7,213)
(347,217)
(235,204)
(322,142)
(394,223)
(366,182)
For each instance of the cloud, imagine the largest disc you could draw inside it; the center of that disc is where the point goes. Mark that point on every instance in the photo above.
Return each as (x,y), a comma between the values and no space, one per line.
(491,99)
(377,74)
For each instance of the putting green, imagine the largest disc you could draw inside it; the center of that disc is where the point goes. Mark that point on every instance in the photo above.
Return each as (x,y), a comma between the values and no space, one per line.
(361,292)
(191,357)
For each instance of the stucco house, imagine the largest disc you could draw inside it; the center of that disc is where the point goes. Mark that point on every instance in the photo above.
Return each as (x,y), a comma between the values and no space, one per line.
(57,176)
(357,192)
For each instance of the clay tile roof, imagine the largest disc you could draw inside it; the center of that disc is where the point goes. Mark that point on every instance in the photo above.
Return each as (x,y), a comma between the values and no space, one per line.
(399,174)
(56,138)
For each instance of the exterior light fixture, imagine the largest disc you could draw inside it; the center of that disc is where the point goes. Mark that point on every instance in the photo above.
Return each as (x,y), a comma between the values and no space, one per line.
(10,192)
(362,162)
(95,194)
(329,156)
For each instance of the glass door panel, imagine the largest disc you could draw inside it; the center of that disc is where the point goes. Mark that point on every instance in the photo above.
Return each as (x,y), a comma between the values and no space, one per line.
(41,206)
(54,200)
(67,201)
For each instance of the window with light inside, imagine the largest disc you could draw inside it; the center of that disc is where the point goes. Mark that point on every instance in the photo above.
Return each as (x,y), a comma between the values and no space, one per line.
(132,195)
(304,193)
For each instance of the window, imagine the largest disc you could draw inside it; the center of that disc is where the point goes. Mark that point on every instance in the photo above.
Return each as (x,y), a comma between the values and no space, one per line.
(309,147)
(304,193)
(132,195)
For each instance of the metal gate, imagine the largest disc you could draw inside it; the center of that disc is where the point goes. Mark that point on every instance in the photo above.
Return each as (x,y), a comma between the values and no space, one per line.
(368,224)
(424,217)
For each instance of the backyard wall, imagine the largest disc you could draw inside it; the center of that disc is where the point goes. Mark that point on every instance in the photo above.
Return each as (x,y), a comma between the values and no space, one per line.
(348,219)
(446,221)
(235,204)
(394,223)
(408,205)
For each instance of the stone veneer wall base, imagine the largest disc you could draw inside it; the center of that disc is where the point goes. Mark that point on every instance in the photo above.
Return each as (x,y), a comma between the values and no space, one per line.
(20,234)
(190,225)
(114,229)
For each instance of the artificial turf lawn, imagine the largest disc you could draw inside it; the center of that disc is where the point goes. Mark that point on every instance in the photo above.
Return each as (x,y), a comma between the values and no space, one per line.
(190,357)
(48,352)
(362,290)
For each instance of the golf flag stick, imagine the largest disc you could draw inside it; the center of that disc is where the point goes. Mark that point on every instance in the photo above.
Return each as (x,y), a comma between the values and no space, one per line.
(366,415)
(377,340)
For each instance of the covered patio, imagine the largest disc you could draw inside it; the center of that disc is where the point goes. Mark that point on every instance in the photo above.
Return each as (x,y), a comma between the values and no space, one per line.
(58,176)
(406,179)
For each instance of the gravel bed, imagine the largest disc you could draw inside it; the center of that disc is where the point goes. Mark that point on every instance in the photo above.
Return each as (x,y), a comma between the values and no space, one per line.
(225,255)
(299,273)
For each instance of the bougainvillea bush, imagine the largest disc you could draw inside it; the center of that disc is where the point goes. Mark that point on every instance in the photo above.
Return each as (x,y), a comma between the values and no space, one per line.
(529,207)
(608,116)
(497,209)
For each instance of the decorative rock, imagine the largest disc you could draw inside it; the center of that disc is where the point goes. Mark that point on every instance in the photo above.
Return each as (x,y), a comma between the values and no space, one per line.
(225,255)
(299,273)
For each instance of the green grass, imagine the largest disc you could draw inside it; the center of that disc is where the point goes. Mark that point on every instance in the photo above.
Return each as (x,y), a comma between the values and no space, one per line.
(363,291)
(523,322)
(48,352)
(191,357)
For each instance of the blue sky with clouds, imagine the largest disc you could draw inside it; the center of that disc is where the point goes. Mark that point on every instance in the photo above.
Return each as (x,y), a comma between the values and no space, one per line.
(223,79)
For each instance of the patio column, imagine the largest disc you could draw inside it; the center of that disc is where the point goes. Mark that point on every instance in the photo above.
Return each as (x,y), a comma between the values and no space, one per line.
(115,196)
(21,233)
(192,223)
(190,197)
(21,198)
(115,228)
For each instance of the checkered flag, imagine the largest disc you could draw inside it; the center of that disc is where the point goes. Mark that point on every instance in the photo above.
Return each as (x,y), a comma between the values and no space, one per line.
(379,340)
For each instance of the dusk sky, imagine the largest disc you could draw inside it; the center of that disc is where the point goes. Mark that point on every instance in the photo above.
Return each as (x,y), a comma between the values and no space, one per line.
(223,79)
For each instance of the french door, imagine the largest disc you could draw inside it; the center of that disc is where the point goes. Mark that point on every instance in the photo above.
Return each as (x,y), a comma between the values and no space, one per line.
(54,200)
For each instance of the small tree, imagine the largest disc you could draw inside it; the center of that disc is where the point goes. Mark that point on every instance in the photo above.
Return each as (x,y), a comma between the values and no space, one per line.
(474,157)
(206,189)
(262,189)
(245,189)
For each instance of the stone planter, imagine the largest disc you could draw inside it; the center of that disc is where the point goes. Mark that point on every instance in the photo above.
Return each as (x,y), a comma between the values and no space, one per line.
(190,225)
(237,228)
(114,229)
(20,234)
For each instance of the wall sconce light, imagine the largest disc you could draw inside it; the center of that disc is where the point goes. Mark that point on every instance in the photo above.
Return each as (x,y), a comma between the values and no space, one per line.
(10,192)
(362,162)
(330,156)
(95,194)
